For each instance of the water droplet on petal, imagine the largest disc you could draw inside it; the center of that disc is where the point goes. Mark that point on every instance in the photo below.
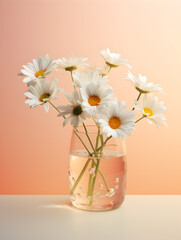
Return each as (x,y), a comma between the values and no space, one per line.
(110,192)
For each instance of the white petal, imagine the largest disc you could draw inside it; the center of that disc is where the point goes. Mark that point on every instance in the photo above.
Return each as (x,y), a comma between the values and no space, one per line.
(46,107)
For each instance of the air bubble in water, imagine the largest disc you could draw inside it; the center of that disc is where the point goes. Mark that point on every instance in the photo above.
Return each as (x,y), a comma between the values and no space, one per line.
(92,171)
(110,192)
(78,195)
(101,186)
(117,180)
(97,194)
(73,197)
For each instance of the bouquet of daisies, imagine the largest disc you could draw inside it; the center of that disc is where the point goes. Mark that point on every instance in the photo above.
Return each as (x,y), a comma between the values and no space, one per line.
(92,97)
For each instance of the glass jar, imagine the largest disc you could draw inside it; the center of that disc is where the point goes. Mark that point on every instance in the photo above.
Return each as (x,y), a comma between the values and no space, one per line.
(97,172)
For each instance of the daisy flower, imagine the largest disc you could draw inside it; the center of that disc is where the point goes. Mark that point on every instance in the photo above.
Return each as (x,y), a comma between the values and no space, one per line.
(141,84)
(104,70)
(71,64)
(74,110)
(113,60)
(83,78)
(38,69)
(152,110)
(96,97)
(117,121)
(42,93)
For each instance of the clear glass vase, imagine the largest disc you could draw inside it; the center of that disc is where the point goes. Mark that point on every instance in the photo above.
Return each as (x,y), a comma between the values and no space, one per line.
(97,173)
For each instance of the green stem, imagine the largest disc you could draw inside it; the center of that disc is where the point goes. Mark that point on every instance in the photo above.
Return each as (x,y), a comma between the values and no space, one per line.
(93,182)
(137,100)
(74,131)
(72,79)
(93,163)
(97,139)
(139,119)
(56,109)
(102,176)
(90,189)
(87,163)
(95,122)
(71,76)
(102,146)
(109,69)
(102,140)
(83,143)
(89,139)
(90,180)
(97,168)
(80,176)
(85,166)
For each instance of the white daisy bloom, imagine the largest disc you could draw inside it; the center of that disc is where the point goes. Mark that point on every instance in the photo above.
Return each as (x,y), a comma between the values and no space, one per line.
(117,121)
(104,70)
(113,60)
(96,97)
(152,110)
(75,110)
(71,64)
(141,84)
(42,92)
(38,69)
(83,78)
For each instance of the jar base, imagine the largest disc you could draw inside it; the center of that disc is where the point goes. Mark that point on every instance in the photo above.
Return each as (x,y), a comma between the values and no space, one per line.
(94,208)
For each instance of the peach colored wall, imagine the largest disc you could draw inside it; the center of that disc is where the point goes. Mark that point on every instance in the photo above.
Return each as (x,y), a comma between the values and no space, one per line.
(34,145)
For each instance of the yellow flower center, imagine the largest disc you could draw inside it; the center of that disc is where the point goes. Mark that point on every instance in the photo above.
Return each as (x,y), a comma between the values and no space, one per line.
(43,96)
(148,111)
(94,100)
(141,90)
(71,68)
(77,110)
(112,65)
(114,122)
(40,73)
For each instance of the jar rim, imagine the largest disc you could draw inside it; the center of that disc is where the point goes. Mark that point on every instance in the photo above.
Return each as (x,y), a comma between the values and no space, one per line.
(82,130)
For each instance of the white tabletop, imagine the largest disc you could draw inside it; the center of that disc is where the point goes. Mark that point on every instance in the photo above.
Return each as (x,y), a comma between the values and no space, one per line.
(52,218)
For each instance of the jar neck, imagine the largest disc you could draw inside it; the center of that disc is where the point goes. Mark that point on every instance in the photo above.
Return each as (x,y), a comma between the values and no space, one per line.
(88,128)
(92,137)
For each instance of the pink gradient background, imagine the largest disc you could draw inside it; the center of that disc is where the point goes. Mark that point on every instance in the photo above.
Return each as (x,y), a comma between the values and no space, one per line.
(34,145)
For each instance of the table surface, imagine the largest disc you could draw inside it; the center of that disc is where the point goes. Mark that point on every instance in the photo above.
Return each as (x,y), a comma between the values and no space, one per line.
(52,217)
